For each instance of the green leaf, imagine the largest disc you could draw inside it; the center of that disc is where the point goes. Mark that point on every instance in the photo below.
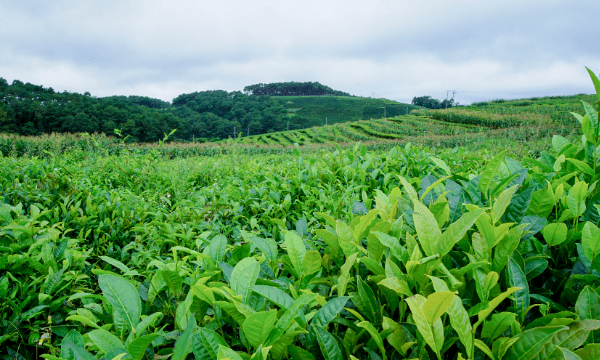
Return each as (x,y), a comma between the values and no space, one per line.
(267,246)
(72,337)
(329,239)
(206,344)
(590,240)
(399,286)
(492,305)
(565,354)
(516,278)
(497,325)
(345,275)
(297,353)
(369,301)
(116,263)
(278,296)
(125,300)
(218,247)
(345,238)
(427,228)
(138,347)
(518,206)
(244,275)
(588,308)
(576,334)
(329,311)
(393,244)
(296,251)
(329,347)
(426,329)
(375,335)
(83,320)
(589,352)
(173,281)
(502,203)
(555,234)
(441,164)
(490,171)
(105,341)
(530,342)
(312,262)
(258,326)
(596,83)
(436,305)
(227,353)
(457,230)
(183,345)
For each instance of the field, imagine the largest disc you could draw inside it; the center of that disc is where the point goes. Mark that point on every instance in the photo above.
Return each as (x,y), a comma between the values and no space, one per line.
(469,233)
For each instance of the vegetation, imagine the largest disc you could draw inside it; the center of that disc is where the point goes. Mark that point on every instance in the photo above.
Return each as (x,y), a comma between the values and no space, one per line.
(390,253)
(430,103)
(292,88)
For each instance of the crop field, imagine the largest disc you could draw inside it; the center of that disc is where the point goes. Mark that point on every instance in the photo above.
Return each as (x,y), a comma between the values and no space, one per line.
(469,233)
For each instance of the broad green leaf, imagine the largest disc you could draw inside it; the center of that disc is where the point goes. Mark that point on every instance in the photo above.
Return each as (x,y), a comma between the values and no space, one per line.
(502,202)
(345,275)
(173,281)
(589,352)
(393,244)
(82,319)
(329,347)
(564,354)
(457,230)
(296,250)
(218,247)
(278,348)
(244,275)
(441,164)
(506,246)
(311,262)
(258,326)
(297,353)
(375,335)
(329,239)
(345,238)
(138,347)
(329,311)
(459,318)
(481,315)
(483,347)
(76,351)
(278,296)
(590,240)
(183,345)
(267,246)
(496,326)
(105,341)
(399,286)
(225,352)
(559,142)
(369,301)
(588,308)
(490,171)
(426,329)
(72,337)
(516,278)
(363,225)
(530,342)
(115,263)
(515,211)
(427,228)
(436,305)
(125,300)
(576,335)
(555,234)
(206,344)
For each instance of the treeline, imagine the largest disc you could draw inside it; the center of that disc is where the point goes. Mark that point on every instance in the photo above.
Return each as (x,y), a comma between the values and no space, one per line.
(292,88)
(429,102)
(28,109)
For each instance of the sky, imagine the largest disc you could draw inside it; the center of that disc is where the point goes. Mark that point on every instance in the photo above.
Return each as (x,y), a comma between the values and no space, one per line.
(482,50)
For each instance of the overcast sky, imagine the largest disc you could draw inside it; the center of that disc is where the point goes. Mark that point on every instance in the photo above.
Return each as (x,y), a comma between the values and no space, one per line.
(394,49)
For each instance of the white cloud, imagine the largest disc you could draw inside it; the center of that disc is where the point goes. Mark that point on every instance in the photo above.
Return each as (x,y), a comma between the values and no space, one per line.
(396,49)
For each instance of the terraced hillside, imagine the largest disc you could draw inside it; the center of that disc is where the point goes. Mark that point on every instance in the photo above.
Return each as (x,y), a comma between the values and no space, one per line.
(521,120)
(312,110)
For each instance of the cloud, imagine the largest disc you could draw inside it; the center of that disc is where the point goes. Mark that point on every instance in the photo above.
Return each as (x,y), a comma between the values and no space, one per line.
(397,49)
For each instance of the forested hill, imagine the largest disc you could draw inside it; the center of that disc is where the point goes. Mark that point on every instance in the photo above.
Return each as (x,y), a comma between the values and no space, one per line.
(28,109)
(292,89)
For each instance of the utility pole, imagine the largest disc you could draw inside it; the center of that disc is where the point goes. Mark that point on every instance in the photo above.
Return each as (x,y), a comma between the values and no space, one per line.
(193,139)
(234,132)
(325,120)
(288,127)
(248,134)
